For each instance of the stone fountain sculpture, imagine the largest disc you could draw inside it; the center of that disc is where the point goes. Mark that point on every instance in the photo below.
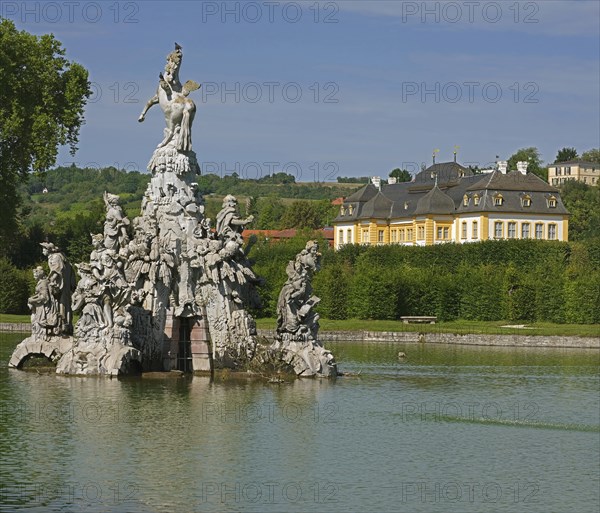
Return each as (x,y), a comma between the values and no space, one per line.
(165,291)
(297,321)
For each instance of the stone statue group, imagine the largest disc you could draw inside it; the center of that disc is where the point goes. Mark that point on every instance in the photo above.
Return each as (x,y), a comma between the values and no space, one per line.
(168,264)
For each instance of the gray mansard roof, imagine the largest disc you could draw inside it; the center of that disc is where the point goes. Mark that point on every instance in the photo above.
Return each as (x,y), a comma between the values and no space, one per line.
(423,197)
(435,202)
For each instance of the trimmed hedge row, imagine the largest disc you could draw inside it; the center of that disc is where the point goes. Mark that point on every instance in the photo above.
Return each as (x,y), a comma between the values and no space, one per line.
(517,280)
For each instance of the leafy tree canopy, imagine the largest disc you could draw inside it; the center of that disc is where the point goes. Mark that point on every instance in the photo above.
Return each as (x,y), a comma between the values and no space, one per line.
(592,155)
(401,175)
(531,155)
(566,154)
(42,97)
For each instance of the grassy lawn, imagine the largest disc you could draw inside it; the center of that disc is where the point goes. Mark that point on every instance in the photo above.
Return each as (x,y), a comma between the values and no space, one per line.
(461,327)
(15,318)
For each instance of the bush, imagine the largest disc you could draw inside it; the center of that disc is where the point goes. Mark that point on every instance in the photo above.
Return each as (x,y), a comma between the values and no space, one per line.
(14,289)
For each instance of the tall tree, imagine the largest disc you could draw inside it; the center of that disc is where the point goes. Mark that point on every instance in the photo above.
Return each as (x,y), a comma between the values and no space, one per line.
(531,155)
(592,155)
(566,154)
(401,175)
(42,97)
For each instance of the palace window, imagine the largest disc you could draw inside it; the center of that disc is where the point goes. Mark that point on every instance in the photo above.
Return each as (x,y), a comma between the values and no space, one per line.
(498,230)
(476,199)
(380,236)
(512,230)
(558,170)
(349,236)
(341,237)
(526,201)
(539,231)
(525,231)
(394,235)
(475,230)
(401,234)
(552,202)
(443,233)
(409,234)
(365,236)
(498,200)
(551,232)
(463,233)
(420,232)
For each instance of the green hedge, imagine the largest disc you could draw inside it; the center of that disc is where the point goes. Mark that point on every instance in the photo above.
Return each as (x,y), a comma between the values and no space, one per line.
(518,280)
(15,286)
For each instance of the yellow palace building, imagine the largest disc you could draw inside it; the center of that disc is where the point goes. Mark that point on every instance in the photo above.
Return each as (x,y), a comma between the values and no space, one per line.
(448,203)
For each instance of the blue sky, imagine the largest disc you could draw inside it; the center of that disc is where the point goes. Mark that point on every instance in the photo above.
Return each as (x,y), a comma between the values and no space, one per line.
(382,84)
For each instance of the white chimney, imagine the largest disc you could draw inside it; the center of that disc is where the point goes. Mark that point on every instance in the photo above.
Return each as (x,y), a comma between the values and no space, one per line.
(502,166)
(522,167)
(392,180)
(376,181)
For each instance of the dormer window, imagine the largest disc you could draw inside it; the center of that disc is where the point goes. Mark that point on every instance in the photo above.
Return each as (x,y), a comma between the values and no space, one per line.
(342,211)
(476,199)
(551,202)
(526,201)
(498,200)
(465,201)
(406,205)
(350,209)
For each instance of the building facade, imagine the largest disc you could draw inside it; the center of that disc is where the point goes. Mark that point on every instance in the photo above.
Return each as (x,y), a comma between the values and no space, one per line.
(580,170)
(448,203)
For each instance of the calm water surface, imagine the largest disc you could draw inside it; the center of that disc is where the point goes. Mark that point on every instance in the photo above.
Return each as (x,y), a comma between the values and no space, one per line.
(448,429)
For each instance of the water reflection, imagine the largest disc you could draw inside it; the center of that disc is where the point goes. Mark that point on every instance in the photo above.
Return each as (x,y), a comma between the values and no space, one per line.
(447,429)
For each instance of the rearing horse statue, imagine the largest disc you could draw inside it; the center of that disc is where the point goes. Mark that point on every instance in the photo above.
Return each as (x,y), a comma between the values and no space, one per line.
(179,110)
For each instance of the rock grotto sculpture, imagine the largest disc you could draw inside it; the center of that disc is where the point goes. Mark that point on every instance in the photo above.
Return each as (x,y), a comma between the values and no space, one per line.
(165,291)
(297,321)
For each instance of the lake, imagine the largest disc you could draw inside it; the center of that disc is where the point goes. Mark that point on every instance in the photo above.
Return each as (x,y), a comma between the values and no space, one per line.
(447,429)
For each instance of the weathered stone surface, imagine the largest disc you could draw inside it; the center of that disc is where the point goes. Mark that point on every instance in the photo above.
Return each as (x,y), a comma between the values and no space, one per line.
(93,358)
(52,348)
(166,282)
(298,323)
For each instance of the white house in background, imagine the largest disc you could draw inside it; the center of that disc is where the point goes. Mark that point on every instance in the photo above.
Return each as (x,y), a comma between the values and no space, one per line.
(580,170)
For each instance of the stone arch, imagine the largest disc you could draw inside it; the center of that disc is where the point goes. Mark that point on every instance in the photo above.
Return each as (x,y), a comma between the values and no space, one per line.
(31,347)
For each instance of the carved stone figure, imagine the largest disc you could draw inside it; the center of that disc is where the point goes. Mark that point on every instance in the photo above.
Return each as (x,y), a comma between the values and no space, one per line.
(88,299)
(167,279)
(62,283)
(178,109)
(298,322)
(229,224)
(43,305)
(115,226)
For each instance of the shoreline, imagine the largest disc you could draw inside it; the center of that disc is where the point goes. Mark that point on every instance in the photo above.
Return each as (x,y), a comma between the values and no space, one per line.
(473,339)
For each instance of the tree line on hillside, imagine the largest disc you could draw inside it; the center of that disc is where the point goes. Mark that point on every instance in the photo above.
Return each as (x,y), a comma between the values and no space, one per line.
(72,208)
